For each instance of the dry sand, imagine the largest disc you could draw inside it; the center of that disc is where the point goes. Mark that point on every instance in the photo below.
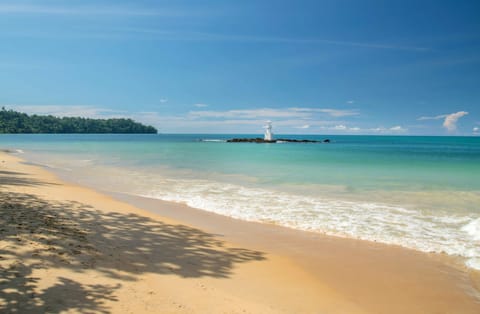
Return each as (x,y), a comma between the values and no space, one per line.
(70,249)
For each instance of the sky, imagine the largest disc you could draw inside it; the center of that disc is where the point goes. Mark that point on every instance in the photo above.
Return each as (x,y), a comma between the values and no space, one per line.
(220,66)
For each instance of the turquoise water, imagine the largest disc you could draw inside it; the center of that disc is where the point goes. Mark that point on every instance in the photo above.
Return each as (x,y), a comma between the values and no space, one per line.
(418,192)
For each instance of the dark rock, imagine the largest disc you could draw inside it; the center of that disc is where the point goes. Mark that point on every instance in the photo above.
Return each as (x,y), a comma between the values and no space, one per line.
(281,140)
(249,140)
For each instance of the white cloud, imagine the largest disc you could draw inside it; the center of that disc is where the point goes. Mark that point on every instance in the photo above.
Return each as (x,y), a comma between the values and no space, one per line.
(380,130)
(350,102)
(200,105)
(305,126)
(476,130)
(163,100)
(398,128)
(450,122)
(392,130)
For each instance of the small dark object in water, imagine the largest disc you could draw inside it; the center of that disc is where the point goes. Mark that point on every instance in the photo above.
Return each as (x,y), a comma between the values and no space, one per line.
(259,140)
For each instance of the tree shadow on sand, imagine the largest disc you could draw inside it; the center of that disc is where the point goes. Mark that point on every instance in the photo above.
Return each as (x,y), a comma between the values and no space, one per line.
(19,293)
(19,179)
(81,238)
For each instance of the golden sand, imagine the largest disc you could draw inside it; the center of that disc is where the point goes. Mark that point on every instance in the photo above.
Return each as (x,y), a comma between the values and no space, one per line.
(70,249)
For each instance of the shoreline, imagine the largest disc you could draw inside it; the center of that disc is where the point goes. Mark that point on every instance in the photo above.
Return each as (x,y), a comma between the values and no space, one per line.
(329,258)
(282,270)
(392,198)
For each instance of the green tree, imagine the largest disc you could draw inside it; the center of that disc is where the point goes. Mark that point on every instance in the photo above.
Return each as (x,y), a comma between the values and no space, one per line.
(17,122)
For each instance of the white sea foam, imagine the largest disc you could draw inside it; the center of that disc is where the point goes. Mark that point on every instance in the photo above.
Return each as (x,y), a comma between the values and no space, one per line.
(426,216)
(452,234)
(212,140)
(473,229)
(49,166)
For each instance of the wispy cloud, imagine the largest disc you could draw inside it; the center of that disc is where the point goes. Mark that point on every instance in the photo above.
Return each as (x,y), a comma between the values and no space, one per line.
(305,126)
(432,118)
(88,10)
(382,130)
(285,119)
(151,118)
(208,36)
(177,35)
(271,113)
(67,111)
(331,112)
(249,114)
(200,105)
(345,129)
(163,100)
(476,130)
(232,121)
(339,113)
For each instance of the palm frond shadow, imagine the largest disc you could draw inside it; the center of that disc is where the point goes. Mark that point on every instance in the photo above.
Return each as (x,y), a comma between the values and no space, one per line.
(78,237)
(19,179)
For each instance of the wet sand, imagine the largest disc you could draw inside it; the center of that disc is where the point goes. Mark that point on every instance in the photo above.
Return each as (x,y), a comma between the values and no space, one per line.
(66,248)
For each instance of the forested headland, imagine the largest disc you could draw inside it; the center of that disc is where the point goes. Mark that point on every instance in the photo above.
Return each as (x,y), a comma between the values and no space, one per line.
(17,122)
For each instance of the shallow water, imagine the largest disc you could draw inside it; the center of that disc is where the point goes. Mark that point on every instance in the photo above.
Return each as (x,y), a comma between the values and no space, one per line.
(418,192)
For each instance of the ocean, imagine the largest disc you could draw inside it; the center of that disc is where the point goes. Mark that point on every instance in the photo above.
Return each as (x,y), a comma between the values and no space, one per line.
(418,192)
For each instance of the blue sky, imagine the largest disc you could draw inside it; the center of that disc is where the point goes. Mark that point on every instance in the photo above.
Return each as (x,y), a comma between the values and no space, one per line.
(312,67)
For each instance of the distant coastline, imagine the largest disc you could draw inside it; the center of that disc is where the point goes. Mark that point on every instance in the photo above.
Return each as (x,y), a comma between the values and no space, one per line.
(14,122)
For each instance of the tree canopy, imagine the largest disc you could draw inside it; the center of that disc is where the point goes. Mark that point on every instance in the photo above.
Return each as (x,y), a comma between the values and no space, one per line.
(16,122)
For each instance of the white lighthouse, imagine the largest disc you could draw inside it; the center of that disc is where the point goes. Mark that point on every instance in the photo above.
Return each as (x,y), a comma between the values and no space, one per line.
(268,131)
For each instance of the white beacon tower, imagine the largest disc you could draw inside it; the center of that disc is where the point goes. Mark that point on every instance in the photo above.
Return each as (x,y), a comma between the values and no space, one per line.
(268,131)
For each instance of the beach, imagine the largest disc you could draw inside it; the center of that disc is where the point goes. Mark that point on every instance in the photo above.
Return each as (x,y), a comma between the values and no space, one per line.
(240,157)
(67,248)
